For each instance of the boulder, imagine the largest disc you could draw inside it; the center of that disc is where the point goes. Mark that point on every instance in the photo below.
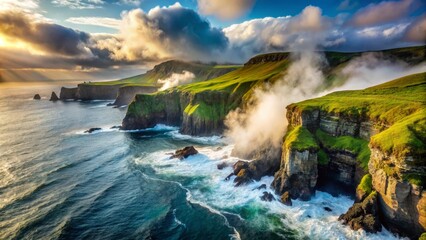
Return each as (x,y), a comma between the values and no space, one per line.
(184,152)
(37,97)
(54,97)
(267,197)
(222,165)
(363,215)
(328,209)
(90,130)
(263,186)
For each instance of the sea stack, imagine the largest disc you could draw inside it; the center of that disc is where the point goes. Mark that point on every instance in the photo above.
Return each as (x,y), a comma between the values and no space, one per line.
(37,97)
(54,97)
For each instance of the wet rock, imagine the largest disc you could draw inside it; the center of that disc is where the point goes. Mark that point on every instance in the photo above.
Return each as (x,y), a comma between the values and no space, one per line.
(37,97)
(263,186)
(116,127)
(286,199)
(229,176)
(222,165)
(184,152)
(267,197)
(363,215)
(243,177)
(90,130)
(54,97)
(219,148)
(328,209)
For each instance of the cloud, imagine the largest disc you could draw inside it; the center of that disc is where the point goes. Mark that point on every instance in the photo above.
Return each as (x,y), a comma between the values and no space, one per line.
(96,21)
(176,79)
(416,32)
(166,32)
(383,12)
(279,34)
(79,4)
(225,9)
(131,2)
(47,37)
(346,5)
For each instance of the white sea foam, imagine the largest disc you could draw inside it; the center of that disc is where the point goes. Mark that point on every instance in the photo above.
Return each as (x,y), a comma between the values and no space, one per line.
(202,140)
(308,218)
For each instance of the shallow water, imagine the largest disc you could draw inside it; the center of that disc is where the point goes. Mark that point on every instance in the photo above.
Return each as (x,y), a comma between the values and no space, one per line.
(57,182)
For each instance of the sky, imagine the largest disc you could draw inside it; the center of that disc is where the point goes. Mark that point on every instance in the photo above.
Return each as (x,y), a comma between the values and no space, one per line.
(51,40)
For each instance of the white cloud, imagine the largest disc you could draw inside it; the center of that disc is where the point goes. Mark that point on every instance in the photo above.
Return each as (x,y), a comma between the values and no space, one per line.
(96,21)
(79,4)
(131,2)
(225,9)
(417,30)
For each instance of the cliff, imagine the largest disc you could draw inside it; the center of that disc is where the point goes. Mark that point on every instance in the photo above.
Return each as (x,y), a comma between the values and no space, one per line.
(126,93)
(373,137)
(124,90)
(203,105)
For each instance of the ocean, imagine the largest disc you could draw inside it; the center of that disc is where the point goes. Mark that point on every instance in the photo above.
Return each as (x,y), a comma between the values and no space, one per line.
(57,182)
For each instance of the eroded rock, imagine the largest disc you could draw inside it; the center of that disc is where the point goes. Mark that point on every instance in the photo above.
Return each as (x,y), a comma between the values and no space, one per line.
(184,152)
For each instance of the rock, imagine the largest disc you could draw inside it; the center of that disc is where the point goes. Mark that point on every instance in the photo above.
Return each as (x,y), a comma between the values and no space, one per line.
(68,93)
(328,209)
(267,197)
(184,152)
(92,130)
(263,186)
(298,174)
(116,127)
(243,177)
(229,176)
(222,165)
(363,215)
(37,97)
(286,199)
(219,148)
(54,97)
(225,157)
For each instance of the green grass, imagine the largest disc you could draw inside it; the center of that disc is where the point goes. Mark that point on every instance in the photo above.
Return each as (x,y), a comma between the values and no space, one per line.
(415,178)
(323,158)
(356,146)
(400,103)
(300,139)
(366,184)
(202,72)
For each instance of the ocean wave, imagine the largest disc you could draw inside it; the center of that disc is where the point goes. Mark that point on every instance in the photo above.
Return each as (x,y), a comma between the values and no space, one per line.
(308,218)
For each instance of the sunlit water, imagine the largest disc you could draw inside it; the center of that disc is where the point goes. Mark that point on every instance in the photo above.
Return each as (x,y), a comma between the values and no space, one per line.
(57,182)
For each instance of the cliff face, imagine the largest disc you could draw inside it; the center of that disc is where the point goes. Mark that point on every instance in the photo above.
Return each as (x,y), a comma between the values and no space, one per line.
(97,92)
(127,93)
(203,105)
(68,93)
(381,138)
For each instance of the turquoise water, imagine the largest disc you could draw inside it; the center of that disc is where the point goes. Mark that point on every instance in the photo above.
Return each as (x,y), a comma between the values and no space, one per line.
(57,182)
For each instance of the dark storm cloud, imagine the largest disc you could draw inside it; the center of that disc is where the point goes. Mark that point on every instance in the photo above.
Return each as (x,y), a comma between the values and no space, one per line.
(48,37)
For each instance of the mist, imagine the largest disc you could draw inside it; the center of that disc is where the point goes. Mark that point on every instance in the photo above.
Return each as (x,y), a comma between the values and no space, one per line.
(372,69)
(176,79)
(263,123)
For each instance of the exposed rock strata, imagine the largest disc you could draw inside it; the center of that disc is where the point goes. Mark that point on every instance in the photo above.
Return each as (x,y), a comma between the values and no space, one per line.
(127,93)
(68,93)
(402,205)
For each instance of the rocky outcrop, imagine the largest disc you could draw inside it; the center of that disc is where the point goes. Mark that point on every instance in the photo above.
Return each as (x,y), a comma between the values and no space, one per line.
(68,93)
(397,203)
(97,92)
(126,94)
(263,162)
(184,152)
(363,215)
(402,204)
(37,97)
(298,173)
(53,97)
(146,111)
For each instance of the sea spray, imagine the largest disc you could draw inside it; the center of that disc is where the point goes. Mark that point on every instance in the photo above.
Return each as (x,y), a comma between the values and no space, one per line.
(206,186)
(264,122)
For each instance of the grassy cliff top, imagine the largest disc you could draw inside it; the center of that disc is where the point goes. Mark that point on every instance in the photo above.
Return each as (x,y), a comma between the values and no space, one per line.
(163,70)
(400,104)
